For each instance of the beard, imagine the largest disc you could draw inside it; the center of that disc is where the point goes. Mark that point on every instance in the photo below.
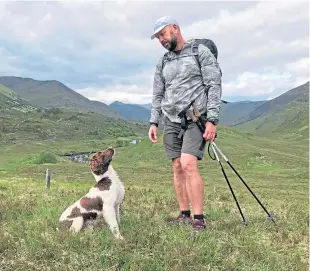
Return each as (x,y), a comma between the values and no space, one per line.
(172,44)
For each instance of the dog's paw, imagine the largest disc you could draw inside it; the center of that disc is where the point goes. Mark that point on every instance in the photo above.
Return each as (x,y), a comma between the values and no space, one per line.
(119,237)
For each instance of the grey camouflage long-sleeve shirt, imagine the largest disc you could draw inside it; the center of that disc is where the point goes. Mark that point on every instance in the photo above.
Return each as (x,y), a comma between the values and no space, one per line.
(180,82)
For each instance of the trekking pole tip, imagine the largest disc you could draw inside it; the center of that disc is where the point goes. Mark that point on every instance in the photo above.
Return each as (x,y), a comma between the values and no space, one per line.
(245,223)
(270,217)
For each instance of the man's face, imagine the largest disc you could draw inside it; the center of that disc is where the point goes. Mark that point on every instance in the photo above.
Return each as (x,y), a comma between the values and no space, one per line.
(167,38)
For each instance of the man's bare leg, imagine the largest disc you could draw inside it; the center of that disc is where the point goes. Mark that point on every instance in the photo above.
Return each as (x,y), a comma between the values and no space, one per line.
(179,181)
(194,182)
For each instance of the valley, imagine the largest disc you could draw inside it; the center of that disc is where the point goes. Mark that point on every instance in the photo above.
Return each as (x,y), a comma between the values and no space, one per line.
(269,148)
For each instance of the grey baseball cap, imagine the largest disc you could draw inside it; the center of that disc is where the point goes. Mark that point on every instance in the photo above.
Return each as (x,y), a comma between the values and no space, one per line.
(161,23)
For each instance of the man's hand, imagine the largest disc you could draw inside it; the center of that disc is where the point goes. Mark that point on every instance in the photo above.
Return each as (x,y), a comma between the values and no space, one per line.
(210,131)
(153,134)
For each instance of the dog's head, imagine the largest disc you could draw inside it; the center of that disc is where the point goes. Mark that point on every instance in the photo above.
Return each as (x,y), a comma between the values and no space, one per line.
(100,161)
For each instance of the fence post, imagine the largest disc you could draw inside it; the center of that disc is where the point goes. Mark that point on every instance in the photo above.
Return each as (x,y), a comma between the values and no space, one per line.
(48,178)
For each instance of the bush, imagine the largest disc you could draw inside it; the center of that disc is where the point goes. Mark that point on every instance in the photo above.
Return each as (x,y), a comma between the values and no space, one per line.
(45,157)
(122,143)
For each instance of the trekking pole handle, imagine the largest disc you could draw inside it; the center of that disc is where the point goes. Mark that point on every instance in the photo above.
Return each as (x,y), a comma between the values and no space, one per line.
(225,158)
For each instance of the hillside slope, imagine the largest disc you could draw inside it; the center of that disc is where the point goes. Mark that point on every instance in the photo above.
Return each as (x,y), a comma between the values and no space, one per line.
(58,124)
(9,100)
(52,94)
(300,93)
(131,111)
(286,115)
(232,112)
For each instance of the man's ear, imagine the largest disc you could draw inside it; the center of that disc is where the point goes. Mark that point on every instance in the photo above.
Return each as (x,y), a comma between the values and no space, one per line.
(175,28)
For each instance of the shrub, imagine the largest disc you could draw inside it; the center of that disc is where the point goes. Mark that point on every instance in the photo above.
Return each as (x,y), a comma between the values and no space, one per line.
(45,157)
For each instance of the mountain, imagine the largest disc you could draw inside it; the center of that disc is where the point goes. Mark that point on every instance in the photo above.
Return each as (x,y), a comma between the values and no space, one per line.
(9,100)
(300,93)
(52,94)
(287,114)
(147,106)
(131,111)
(231,112)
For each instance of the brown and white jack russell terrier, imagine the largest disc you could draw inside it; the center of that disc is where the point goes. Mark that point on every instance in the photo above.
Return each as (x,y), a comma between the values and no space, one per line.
(102,201)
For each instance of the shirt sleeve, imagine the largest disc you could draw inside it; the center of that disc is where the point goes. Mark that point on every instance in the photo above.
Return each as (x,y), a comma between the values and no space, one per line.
(211,74)
(158,93)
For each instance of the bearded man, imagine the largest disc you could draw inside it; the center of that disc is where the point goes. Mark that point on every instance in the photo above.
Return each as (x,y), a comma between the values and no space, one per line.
(178,80)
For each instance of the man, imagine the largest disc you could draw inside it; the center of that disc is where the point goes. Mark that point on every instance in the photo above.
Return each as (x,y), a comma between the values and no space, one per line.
(176,83)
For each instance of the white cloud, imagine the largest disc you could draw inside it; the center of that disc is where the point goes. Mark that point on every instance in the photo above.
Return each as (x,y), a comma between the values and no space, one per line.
(273,48)
(263,46)
(122,93)
(271,13)
(300,69)
(271,82)
(255,84)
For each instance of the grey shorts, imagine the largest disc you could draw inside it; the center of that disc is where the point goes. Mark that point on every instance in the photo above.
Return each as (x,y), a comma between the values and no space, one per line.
(190,142)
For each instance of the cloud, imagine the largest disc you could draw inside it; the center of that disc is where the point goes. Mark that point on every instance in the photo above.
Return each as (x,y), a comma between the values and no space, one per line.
(270,82)
(256,84)
(103,49)
(125,93)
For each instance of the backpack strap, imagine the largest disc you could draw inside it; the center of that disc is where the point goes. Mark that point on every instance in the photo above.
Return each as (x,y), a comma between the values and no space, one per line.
(209,44)
(165,59)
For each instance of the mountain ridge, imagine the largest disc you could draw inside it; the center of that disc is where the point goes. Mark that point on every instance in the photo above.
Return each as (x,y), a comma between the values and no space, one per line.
(52,93)
(249,115)
(300,92)
(131,111)
(10,100)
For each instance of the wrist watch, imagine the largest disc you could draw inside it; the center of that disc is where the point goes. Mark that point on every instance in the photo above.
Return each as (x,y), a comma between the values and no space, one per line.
(214,122)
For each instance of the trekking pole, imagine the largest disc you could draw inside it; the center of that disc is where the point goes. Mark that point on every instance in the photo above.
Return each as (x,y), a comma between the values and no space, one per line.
(226,159)
(196,117)
(244,222)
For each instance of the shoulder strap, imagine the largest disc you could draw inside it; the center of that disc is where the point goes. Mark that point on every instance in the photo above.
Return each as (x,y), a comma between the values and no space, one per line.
(165,59)
(209,44)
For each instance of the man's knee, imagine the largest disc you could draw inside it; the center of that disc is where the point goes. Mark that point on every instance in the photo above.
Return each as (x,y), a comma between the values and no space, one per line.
(188,162)
(177,167)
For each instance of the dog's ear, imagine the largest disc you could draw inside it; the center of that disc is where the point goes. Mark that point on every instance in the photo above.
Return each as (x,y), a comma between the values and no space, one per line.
(109,153)
(96,155)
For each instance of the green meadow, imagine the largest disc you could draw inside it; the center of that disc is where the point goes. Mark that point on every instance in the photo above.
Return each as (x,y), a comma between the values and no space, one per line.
(275,168)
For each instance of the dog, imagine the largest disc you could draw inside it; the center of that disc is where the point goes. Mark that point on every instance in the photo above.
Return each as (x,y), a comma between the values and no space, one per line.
(103,201)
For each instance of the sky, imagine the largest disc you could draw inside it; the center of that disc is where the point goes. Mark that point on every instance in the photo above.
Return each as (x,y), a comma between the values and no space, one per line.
(103,49)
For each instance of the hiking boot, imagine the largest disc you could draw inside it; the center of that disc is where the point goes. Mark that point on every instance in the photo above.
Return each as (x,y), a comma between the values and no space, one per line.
(198,225)
(180,220)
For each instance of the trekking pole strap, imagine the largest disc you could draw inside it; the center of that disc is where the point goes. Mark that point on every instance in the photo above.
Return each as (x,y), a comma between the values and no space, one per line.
(225,158)
(215,154)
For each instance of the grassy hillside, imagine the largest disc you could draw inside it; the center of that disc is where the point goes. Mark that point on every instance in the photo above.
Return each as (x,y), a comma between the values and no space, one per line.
(59,124)
(131,111)
(290,122)
(274,106)
(232,112)
(53,94)
(9,100)
(287,116)
(276,170)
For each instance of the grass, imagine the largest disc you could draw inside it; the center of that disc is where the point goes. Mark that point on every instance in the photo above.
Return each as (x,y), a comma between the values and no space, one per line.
(291,122)
(9,99)
(275,169)
(55,125)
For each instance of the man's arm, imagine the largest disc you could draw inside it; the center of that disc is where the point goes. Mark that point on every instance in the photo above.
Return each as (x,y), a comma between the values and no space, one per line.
(211,74)
(158,94)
